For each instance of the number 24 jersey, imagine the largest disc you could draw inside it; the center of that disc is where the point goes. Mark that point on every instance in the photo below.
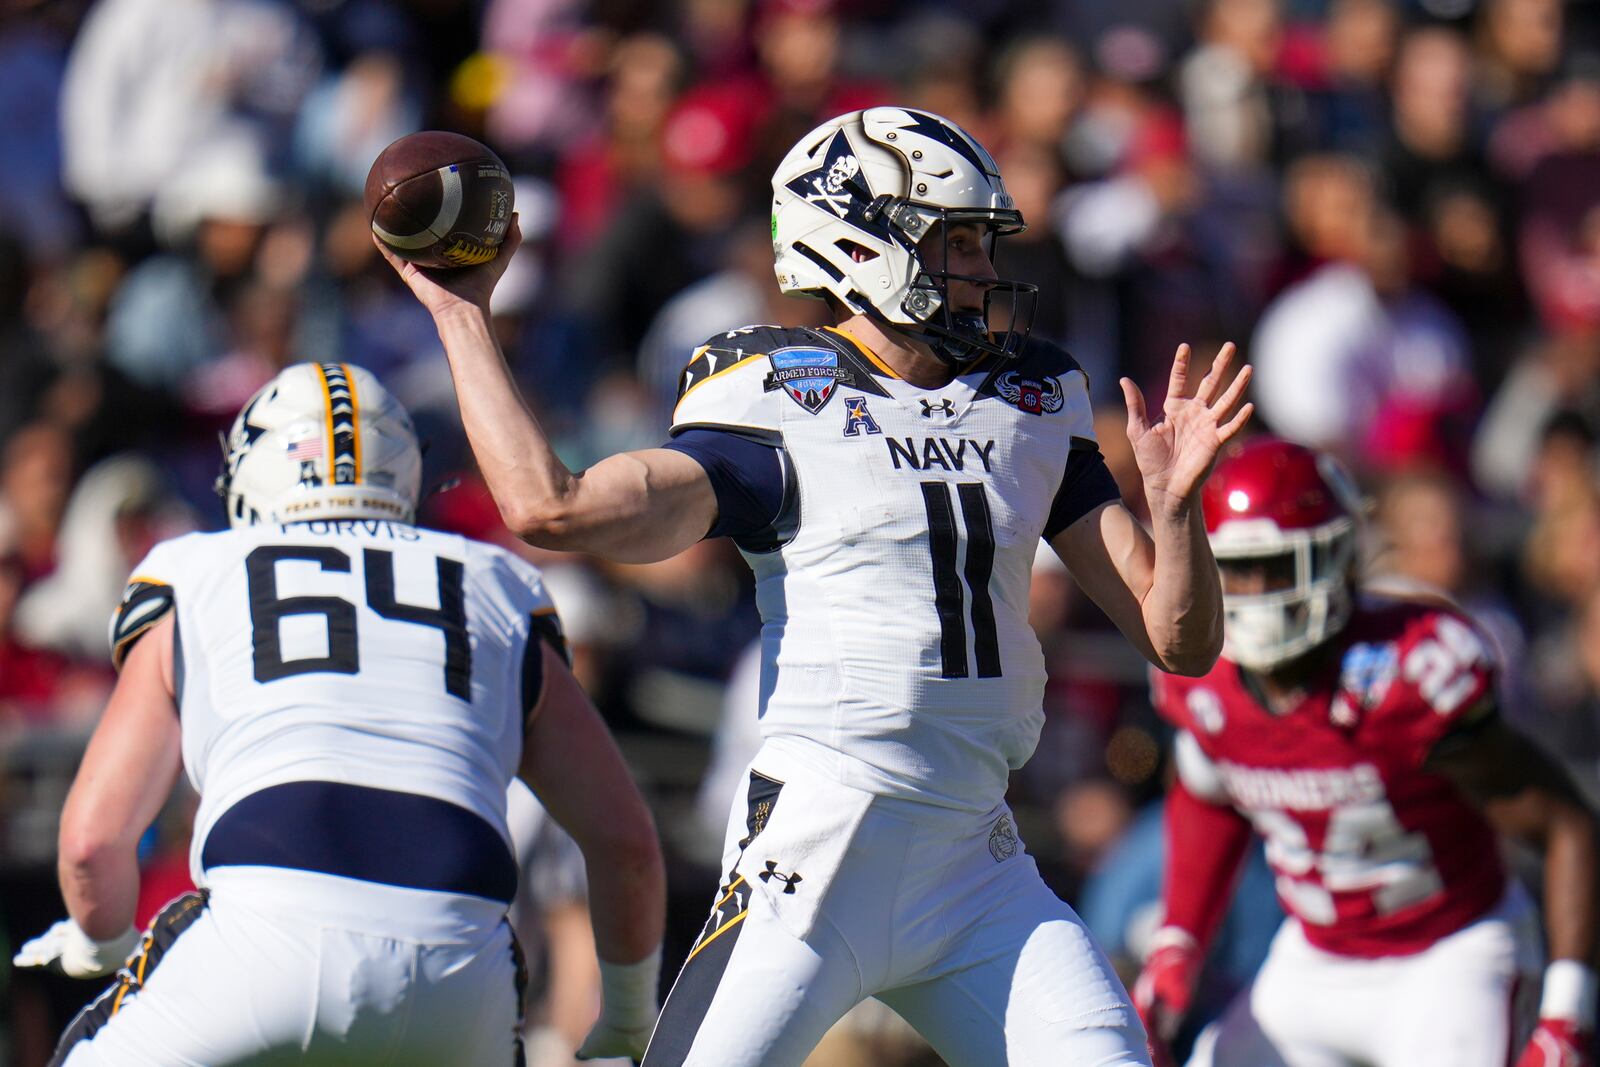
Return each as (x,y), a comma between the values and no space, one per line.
(893,589)
(1374,854)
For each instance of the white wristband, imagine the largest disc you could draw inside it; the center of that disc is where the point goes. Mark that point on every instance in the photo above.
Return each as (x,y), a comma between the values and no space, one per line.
(1569,993)
(628,990)
(1171,937)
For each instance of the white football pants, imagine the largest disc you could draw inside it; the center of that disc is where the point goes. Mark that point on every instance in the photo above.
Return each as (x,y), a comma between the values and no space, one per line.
(833,896)
(1462,1002)
(280,966)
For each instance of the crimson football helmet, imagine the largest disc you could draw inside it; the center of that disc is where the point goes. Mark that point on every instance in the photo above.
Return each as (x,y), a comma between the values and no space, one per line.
(1282,522)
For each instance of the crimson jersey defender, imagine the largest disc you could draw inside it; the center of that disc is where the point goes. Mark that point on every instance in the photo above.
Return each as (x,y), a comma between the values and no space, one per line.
(1373,853)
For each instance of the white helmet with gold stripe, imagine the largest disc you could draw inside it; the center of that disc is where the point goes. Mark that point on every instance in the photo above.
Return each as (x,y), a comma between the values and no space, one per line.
(321,441)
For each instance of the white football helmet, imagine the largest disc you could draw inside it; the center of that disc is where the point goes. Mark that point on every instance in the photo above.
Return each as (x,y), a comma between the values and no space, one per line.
(852,199)
(321,441)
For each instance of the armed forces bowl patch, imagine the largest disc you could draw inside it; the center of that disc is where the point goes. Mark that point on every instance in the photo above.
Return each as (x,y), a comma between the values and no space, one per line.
(808,375)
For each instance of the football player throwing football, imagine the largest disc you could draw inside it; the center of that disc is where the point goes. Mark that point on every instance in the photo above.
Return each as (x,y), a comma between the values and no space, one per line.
(888,480)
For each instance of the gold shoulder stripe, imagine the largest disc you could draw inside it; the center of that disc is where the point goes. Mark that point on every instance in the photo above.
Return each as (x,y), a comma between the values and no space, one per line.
(715,374)
(863,348)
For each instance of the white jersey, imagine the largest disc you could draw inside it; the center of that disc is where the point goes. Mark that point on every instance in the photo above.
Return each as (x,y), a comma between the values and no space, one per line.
(368,654)
(897,655)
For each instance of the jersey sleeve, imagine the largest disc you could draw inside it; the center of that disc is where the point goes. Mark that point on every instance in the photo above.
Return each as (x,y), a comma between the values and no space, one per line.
(724,388)
(1449,672)
(749,479)
(1046,381)
(149,595)
(1085,485)
(528,617)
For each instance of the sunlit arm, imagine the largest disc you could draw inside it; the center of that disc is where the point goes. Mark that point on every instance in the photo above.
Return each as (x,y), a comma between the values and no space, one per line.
(1160,587)
(637,507)
(125,777)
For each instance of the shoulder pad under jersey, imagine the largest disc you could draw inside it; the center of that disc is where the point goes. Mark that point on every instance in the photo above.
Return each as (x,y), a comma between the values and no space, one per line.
(147,597)
(1045,380)
(1445,660)
(744,380)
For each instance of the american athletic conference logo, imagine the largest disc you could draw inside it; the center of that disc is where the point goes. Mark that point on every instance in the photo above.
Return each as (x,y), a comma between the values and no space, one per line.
(808,375)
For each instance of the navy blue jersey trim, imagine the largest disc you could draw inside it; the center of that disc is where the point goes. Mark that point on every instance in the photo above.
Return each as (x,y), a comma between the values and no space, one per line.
(1085,485)
(544,628)
(753,482)
(374,835)
(143,605)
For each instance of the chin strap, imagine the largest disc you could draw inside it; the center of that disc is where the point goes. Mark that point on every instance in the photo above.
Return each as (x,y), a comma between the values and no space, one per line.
(948,347)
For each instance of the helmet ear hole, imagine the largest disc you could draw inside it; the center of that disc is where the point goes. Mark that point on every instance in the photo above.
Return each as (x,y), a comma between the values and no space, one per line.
(858,253)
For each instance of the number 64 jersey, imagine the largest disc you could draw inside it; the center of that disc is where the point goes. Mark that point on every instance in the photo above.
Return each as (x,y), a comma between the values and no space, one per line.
(1375,855)
(893,587)
(365,653)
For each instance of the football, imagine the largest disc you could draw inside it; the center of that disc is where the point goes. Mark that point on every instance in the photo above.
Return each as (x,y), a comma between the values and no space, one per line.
(439,200)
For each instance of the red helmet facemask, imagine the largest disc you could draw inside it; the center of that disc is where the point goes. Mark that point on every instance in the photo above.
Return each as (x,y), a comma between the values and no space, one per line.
(1282,523)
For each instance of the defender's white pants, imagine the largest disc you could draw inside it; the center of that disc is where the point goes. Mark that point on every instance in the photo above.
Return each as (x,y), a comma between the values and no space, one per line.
(1463,1002)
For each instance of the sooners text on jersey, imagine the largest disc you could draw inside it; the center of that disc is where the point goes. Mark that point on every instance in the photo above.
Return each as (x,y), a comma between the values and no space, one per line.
(1373,854)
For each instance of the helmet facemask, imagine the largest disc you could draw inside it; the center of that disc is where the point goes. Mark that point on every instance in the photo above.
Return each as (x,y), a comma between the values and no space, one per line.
(960,338)
(1306,590)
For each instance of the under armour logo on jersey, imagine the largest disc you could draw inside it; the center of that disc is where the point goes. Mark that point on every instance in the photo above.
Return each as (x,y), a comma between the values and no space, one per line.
(789,880)
(943,407)
(858,418)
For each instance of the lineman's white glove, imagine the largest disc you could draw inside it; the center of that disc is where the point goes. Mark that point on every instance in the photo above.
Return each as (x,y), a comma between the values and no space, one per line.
(66,949)
(628,1009)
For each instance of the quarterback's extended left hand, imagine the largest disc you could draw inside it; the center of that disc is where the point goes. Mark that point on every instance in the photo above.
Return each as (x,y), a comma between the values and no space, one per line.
(1176,454)
(1557,1043)
(66,949)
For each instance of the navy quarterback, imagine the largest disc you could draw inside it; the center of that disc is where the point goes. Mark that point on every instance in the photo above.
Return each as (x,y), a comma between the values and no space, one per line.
(888,480)
(351,696)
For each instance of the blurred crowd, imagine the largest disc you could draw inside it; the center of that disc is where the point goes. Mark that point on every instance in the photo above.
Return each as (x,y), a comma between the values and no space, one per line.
(1392,205)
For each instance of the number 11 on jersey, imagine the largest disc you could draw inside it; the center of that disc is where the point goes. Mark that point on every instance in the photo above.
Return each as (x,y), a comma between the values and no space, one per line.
(944,543)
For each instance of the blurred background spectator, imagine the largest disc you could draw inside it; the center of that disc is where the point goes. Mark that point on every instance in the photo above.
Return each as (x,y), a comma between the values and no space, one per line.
(1394,205)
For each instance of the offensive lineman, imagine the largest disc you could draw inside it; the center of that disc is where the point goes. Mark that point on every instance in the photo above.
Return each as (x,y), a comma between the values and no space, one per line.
(888,481)
(350,696)
(1359,736)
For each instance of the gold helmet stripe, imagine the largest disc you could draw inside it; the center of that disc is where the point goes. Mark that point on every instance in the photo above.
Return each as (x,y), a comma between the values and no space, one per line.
(344,442)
